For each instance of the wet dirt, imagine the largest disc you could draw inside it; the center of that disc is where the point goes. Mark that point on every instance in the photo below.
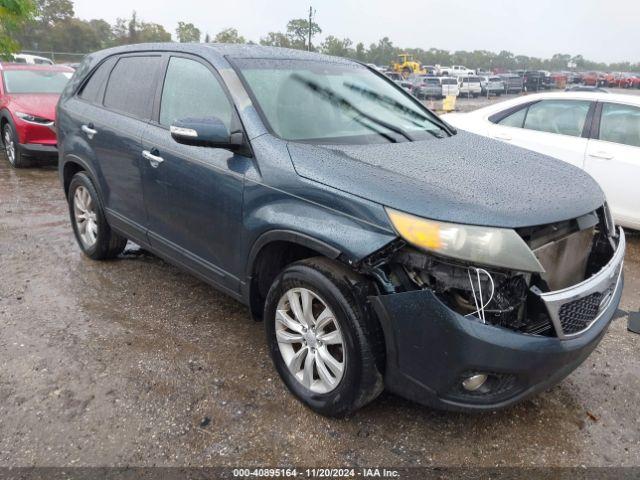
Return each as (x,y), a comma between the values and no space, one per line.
(133,362)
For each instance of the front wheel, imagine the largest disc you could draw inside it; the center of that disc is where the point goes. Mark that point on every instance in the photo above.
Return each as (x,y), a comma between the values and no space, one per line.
(326,347)
(93,233)
(12,147)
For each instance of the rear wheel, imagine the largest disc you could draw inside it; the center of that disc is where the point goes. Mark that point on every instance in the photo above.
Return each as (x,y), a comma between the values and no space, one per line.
(323,343)
(93,233)
(12,148)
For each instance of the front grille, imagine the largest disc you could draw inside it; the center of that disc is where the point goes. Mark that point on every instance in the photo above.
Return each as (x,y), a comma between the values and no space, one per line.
(577,315)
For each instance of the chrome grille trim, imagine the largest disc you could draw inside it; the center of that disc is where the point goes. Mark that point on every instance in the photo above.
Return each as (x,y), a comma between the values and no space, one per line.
(606,282)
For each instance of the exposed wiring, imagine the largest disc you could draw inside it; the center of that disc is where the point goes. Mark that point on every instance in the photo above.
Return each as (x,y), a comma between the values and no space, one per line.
(479,305)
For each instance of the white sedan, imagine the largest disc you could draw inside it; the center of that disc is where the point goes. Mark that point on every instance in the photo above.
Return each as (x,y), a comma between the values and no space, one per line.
(596,131)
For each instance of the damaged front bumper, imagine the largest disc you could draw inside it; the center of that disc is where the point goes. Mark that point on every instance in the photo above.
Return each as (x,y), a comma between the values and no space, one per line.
(432,350)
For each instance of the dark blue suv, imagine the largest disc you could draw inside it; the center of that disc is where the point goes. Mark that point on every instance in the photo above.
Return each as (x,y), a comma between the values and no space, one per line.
(379,246)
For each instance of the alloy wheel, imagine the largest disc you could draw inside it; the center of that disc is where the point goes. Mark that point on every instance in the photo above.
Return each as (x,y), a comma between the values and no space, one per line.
(85,217)
(310,340)
(9,146)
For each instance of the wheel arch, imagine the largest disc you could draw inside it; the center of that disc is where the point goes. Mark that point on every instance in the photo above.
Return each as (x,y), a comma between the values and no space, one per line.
(270,254)
(73,164)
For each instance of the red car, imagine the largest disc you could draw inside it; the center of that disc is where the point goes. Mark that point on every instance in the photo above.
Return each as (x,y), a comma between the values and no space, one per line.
(28,98)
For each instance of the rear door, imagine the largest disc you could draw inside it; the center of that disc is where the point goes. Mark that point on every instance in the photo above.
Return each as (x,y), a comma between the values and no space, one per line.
(113,128)
(613,159)
(553,127)
(194,195)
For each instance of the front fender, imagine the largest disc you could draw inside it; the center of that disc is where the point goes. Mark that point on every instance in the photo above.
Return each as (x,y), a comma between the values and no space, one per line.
(272,215)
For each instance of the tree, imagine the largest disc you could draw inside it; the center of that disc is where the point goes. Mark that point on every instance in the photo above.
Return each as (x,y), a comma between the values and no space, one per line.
(152,32)
(382,53)
(103,32)
(336,46)
(361,52)
(276,39)
(135,31)
(298,32)
(207,38)
(50,12)
(13,13)
(187,32)
(229,35)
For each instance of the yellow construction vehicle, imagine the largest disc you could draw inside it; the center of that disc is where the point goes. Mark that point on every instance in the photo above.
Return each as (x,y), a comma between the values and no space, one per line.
(407,65)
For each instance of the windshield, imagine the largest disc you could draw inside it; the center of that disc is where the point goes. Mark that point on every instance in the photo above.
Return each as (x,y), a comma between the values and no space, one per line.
(35,81)
(325,102)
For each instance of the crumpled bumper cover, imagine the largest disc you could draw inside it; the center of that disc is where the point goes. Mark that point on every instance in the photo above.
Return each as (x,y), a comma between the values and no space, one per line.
(430,349)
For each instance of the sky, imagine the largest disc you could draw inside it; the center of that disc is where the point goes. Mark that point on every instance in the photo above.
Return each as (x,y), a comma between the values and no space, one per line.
(600,30)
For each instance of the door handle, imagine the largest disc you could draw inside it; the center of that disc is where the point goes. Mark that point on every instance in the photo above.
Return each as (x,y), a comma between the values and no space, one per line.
(89,130)
(603,155)
(502,136)
(154,160)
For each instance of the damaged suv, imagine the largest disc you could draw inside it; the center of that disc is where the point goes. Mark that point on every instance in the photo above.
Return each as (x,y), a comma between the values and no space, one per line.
(380,247)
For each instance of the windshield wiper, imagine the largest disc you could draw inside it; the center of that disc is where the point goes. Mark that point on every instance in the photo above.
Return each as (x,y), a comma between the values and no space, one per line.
(388,101)
(342,102)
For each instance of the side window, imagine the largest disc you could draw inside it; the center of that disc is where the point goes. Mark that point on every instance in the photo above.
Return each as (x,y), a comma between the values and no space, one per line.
(94,88)
(566,117)
(516,119)
(620,124)
(192,91)
(131,86)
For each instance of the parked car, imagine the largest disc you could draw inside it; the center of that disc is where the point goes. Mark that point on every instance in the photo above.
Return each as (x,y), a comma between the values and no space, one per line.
(379,246)
(513,83)
(428,88)
(449,86)
(470,86)
(536,80)
(492,85)
(456,71)
(596,131)
(396,77)
(406,85)
(28,97)
(31,59)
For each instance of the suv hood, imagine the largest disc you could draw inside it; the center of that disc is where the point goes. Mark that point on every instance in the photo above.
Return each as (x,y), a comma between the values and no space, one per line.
(465,179)
(40,104)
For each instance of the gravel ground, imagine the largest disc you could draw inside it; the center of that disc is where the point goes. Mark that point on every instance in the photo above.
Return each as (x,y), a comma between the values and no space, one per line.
(133,362)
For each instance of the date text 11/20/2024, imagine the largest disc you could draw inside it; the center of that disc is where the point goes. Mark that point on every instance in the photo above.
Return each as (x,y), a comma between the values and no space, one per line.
(315,473)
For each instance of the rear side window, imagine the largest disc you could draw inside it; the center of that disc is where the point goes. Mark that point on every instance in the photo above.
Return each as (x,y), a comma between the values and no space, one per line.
(131,86)
(516,119)
(620,124)
(192,91)
(565,117)
(93,90)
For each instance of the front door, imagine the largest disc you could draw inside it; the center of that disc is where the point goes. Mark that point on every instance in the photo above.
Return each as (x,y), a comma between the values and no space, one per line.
(194,195)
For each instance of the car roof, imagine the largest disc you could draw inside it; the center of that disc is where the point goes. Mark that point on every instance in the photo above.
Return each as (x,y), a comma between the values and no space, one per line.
(590,96)
(27,66)
(228,50)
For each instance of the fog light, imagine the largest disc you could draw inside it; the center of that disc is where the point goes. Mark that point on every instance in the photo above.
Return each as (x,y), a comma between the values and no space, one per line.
(474,382)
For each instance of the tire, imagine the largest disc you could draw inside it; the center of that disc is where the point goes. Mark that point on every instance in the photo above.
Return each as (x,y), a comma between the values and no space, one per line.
(12,148)
(106,243)
(360,353)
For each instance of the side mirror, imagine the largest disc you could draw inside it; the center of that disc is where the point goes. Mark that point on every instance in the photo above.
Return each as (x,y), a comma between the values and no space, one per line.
(205,132)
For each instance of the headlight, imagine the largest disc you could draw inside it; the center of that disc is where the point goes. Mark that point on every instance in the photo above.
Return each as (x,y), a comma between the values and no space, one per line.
(497,247)
(27,117)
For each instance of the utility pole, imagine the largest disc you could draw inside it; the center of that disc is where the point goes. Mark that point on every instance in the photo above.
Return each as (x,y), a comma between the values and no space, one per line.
(310,20)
